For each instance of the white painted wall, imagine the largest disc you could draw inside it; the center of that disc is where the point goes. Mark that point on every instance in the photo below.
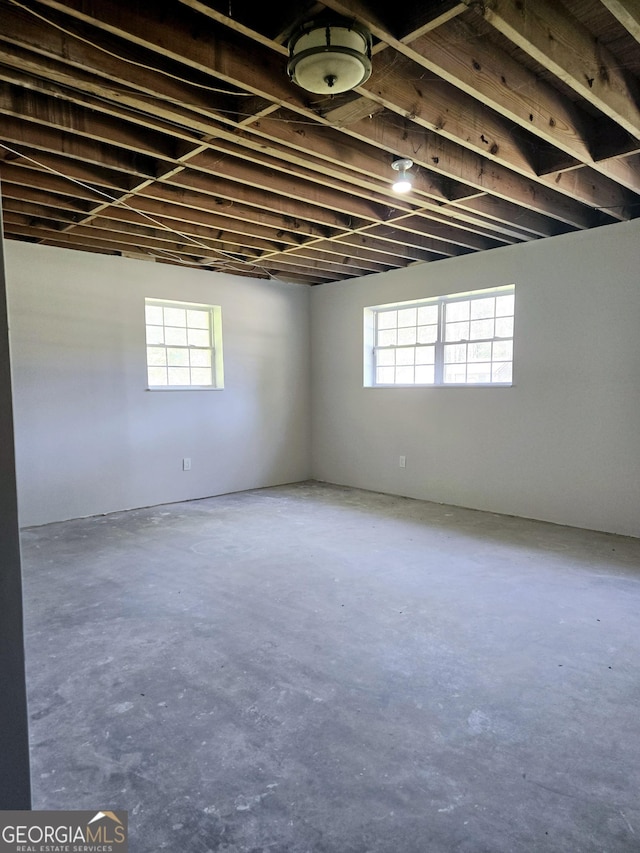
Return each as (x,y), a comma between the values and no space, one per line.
(90,439)
(562,445)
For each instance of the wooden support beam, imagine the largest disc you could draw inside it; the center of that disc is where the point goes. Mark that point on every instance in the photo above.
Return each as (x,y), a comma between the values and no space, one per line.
(562,44)
(628,13)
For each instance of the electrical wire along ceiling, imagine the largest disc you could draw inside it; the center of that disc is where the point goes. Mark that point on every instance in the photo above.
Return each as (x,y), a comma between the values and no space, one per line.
(265,139)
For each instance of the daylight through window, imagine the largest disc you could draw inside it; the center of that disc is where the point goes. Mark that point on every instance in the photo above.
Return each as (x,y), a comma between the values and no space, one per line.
(463,339)
(184,345)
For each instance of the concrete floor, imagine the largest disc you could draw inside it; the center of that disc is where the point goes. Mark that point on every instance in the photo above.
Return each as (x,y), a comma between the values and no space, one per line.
(316,669)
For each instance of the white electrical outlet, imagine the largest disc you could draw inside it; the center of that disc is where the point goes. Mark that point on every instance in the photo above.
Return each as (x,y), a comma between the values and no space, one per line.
(403,462)
(186,463)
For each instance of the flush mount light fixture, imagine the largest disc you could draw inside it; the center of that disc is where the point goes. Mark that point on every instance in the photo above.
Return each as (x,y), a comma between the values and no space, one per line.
(403,182)
(329,58)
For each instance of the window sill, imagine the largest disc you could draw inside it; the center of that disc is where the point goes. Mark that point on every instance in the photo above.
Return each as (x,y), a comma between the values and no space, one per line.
(164,388)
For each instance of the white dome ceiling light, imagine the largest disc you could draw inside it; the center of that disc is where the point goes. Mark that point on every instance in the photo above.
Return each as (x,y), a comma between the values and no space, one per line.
(404,182)
(330,58)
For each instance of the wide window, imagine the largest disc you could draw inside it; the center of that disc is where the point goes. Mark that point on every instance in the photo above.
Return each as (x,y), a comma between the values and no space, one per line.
(462,339)
(184,345)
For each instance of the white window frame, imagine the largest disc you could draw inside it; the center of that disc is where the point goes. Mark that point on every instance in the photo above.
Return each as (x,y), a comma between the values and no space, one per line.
(213,345)
(372,346)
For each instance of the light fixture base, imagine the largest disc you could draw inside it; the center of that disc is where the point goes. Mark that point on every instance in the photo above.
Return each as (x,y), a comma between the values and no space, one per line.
(402,165)
(330,57)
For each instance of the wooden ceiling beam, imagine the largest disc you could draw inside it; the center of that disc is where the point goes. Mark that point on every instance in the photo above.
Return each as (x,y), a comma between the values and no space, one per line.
(282,270)
(119,225)
(188,40)
(353,264)
(362,171)
(135,242)
(78,177)
(252,197)
(434,152)
(184,197)
(528,221)
(54,56)
(229,63)
(438,107)
(37,211)
(563,45)
(382,248)
(378,251)
(432,190)
(227,242)
(304,181)
(196,223)
(40,109)
(419,233)
(494,79)
(27,135)
(628,14)
(327,195)
(40,196)
(58,141)
(353,159)
(275,178)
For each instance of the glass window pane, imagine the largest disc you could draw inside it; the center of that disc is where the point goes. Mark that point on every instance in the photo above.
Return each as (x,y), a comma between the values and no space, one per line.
(385,375)
(179,376)
(387,338)
(156,356)
(155,335)
(404,375)
(455,373)
(405,356)
(175,337)
(502,350)
(505,305)
(451,340)
(457,332)
(479,352)
(456,311)
(407,336)
(479,373)
(502,372)
(157,375)
(175,317)
(153,314)
(178,357)
(385,357)
(425,374)
(199,338)
(481,308)
(387,319)
(201,376)
(197,319)
(407,317)
(482,329)
(455,353)
(504,327)
(428,315)
(427,334)
(425,355)
(200,357)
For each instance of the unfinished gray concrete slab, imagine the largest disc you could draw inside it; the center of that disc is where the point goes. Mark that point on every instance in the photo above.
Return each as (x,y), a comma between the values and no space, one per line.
(317,669)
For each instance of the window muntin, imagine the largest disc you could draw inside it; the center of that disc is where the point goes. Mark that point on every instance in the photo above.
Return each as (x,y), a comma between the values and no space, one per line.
(452,340)
(184,346)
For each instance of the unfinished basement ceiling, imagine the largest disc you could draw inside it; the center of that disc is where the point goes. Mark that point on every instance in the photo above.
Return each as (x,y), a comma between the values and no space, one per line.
(170,131)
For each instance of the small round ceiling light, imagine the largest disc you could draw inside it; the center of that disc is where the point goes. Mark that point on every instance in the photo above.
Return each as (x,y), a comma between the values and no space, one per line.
(330,58)
(403,183)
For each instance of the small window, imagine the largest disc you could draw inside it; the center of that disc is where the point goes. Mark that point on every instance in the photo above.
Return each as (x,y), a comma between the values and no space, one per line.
(184,345)
(462,339)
